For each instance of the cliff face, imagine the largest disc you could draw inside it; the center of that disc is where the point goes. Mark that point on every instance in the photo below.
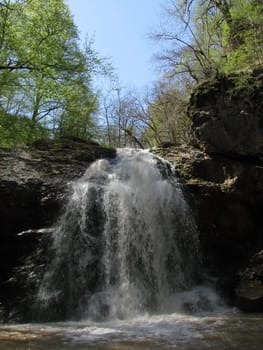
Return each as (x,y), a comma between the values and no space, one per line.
(223,173)
(226,196)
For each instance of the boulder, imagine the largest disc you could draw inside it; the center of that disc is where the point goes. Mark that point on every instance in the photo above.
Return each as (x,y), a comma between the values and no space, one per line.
(227,115)
(249,290)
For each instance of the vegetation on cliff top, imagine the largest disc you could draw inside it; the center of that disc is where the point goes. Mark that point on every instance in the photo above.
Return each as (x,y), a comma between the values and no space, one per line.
(46,78)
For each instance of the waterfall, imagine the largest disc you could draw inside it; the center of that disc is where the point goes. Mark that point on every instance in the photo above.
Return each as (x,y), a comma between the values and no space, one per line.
(125,245)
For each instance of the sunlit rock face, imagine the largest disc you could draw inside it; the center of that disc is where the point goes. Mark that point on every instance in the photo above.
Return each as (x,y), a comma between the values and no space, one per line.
(227,115)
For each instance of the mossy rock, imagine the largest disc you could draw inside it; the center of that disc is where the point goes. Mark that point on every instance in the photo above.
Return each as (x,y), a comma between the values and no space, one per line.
(227,116)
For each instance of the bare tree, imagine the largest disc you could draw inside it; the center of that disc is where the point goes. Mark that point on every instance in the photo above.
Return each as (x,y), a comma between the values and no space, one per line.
(191,32)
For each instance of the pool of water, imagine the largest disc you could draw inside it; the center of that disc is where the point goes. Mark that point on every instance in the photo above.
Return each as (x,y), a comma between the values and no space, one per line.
(223,330)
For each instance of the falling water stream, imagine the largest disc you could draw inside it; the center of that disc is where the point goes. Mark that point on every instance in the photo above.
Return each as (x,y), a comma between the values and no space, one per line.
(126,271)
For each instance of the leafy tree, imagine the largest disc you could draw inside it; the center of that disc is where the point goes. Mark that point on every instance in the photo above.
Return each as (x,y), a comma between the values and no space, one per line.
(211,36)
(190,41)
(145,120)
(205,38)
(76,116)
(17,131)
(243,39)
(44,75)
(168,116)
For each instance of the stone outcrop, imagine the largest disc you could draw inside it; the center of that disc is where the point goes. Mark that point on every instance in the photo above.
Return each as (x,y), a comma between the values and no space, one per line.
(227,115)
(223,174)
(33,184)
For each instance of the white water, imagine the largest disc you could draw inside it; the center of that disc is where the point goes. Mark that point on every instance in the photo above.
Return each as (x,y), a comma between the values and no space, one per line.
(126,245)
(217,331)
(125,269)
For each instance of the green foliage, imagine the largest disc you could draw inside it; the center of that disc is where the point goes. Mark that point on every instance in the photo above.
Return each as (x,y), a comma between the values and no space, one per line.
(44,75)
(205,39)
(247,29)
(168,122)
(76,118)
(208,37)
(19,131)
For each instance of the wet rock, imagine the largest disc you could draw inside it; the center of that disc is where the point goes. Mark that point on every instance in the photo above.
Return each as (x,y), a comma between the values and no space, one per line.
(223,176)
(226,196)
(33,184)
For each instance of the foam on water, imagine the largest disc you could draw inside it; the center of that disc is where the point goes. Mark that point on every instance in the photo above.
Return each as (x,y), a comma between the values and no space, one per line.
(166,331)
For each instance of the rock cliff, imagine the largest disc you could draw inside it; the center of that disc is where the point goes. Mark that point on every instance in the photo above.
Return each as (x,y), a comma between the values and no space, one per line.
(223,173)
(226,196)
(227,115)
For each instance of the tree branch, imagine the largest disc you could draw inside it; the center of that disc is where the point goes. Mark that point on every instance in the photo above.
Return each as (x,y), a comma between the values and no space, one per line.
(134,138)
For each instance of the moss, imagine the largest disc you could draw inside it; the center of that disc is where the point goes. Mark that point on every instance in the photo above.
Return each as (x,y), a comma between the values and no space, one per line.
(183,170)
(245,87)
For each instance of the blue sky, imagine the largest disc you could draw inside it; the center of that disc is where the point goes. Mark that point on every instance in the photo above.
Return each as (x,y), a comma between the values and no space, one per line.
(120,29)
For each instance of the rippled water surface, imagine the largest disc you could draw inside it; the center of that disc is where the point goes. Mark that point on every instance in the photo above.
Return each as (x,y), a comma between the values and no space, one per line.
(227,330)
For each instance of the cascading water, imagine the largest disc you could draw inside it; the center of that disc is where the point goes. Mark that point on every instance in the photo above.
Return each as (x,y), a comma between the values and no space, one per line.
(124,269)
(125,245)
